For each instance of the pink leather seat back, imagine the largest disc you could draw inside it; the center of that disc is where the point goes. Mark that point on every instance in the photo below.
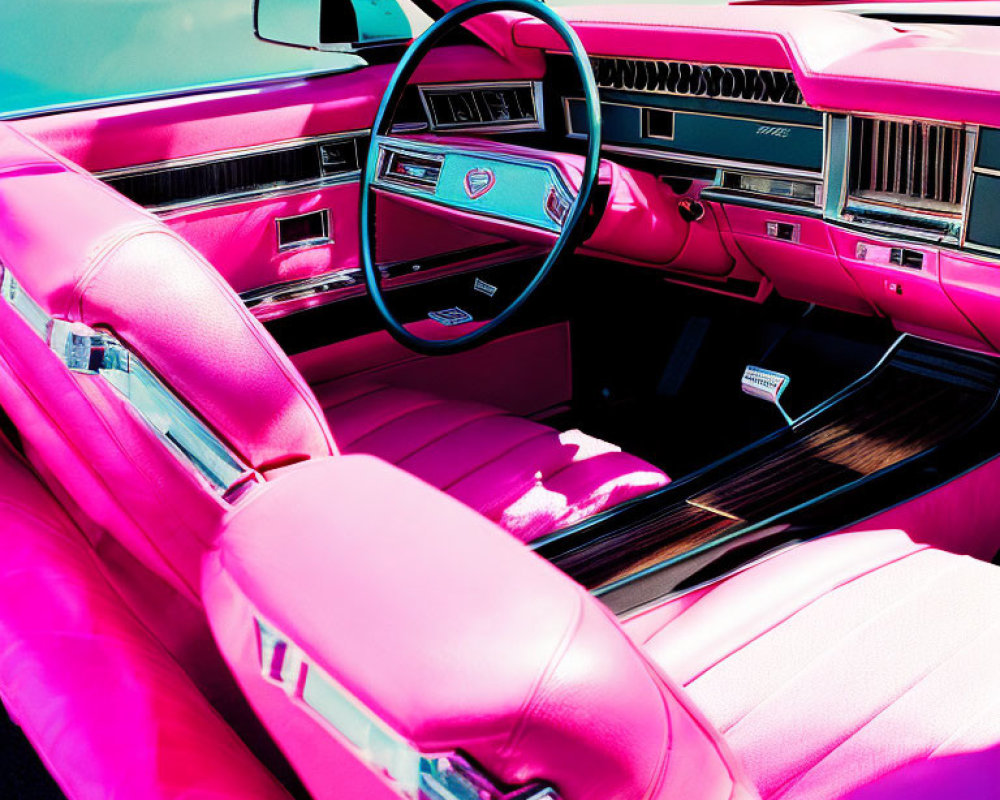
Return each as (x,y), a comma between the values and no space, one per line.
(86,254)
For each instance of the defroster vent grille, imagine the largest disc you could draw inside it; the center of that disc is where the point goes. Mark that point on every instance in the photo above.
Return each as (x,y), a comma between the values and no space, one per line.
(909,163)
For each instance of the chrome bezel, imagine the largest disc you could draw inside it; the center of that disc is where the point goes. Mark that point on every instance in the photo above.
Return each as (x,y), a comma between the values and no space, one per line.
(537,123)
(953,223)
(388,144)
(316,241)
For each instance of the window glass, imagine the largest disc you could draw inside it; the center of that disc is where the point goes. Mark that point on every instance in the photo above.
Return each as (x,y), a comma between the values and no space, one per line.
(73,52)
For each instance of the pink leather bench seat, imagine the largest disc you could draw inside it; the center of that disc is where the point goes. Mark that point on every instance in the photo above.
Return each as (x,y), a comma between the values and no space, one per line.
(528,477)
(108,710)
(859,665)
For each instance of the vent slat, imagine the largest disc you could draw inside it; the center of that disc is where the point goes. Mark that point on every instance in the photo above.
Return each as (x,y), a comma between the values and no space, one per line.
(773,86)
(162,187)
(913,163)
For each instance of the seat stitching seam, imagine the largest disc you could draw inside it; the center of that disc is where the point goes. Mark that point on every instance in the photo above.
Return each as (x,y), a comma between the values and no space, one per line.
(429,403)
(533,699)
(486,414)
(919,678)
(965,724)
(798,610)
(497,457)
(897,603)
(340,403)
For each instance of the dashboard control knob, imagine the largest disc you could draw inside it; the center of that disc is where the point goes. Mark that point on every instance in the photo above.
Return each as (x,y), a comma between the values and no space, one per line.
(690,210)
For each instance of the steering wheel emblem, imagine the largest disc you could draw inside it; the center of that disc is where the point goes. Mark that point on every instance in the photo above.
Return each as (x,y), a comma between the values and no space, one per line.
(478,181)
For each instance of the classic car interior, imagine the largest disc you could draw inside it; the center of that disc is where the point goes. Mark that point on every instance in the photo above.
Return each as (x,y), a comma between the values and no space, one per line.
(574,402)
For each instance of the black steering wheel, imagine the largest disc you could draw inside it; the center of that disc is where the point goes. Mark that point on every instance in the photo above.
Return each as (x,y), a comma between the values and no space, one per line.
(383,124)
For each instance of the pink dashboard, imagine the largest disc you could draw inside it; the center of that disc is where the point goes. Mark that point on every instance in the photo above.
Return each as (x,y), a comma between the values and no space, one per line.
(846,161)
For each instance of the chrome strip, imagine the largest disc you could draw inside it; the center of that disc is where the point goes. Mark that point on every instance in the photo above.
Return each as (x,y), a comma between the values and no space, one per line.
(537,124)
(298,289)
(971,154)
(696,159)
(987,171)
(233,154)
(683,112)
(715,163)
(87,351)
(406,769)
(222,200)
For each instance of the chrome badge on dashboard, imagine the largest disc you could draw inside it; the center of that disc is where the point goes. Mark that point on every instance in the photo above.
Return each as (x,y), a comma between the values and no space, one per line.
(479,181)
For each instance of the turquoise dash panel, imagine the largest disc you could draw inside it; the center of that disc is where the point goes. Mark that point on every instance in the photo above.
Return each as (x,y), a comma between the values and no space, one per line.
(518,194)
(713,136)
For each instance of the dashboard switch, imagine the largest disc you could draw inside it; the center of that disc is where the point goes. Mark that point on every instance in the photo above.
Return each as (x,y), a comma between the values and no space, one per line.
(786,231)
(906,258)
(691,210)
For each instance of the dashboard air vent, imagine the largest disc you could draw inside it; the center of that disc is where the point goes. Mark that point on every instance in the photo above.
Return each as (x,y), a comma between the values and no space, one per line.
(909,163)
(412,170)
(510,106)
(750,84)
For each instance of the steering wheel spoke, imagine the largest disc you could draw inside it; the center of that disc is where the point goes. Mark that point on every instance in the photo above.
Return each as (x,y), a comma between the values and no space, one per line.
(489,190)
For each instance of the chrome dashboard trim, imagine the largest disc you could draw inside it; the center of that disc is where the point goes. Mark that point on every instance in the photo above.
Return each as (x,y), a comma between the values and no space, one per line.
(971,157)
(537,125)
(681,112)
(715,163)
(306,287)
(700,160)
(388,143)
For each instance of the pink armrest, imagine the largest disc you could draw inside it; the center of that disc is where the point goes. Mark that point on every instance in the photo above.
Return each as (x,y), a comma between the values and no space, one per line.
(454,634)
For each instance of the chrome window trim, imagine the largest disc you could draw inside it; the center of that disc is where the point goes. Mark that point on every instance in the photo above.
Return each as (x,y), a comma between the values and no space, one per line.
(222,156)
(244,86)
(538,124)
(98,353)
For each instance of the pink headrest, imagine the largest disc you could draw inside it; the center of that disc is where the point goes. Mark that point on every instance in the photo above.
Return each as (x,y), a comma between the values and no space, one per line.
(85,253)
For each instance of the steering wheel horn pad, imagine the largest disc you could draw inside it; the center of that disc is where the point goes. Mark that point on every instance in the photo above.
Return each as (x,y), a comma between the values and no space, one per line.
(477,182)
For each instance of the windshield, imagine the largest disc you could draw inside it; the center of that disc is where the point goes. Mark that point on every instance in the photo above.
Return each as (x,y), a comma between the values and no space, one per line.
(66,53)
